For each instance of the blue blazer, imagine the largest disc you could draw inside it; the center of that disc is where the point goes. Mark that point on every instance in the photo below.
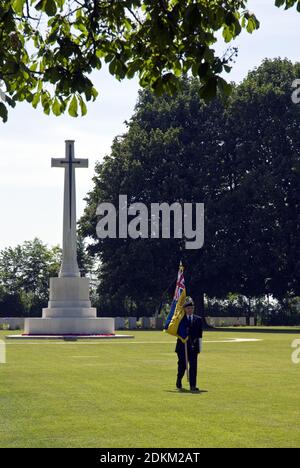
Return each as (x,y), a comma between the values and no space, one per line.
(195,331)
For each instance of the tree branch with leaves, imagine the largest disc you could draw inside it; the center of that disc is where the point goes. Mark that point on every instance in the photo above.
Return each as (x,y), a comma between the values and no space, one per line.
(48,48)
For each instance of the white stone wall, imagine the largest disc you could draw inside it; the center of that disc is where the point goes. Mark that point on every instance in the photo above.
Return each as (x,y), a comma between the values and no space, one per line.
(120,323)
(14,323)
(228,321)
(131,323)
(145,322)
(157,323)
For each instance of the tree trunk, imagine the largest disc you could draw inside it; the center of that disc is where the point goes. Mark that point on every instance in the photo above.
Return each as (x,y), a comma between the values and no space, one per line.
(249,312)
(198,298)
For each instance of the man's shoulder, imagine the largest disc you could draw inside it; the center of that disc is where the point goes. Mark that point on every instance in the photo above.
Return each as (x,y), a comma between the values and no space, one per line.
(197,317)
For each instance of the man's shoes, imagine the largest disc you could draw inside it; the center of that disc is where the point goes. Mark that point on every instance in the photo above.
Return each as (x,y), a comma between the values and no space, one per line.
(195,389)
(178,385)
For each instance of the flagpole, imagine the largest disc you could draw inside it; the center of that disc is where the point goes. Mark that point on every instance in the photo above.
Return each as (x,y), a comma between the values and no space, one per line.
(185,344)
(186,362)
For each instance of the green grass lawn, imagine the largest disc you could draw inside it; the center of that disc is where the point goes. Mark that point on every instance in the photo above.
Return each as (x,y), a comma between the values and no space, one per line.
(122,393)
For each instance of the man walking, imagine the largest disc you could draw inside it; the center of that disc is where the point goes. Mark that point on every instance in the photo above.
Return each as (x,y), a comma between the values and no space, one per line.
(194,329)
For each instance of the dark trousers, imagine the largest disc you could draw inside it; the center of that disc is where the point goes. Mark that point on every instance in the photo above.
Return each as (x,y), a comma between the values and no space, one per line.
(193,360)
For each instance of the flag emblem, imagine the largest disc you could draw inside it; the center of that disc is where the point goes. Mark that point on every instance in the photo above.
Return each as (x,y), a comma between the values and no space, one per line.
(173,324)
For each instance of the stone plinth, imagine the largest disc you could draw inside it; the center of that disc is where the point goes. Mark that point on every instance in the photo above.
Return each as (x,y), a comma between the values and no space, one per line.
(69,297)
(69,326)
(69,311)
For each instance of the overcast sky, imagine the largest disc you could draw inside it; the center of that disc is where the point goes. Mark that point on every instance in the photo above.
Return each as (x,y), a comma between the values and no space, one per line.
(31,192)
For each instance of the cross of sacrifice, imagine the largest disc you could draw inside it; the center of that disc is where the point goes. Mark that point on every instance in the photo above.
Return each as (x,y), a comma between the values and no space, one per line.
(69,266)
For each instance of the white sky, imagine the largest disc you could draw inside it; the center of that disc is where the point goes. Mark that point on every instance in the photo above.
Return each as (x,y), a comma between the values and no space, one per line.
(31,192)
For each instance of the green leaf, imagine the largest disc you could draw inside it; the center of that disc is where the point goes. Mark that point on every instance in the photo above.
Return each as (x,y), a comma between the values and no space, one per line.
(73,107)
(10,101)
(94,93)
(127,24)
(40,5)
(46,102)
(251,26)
(33,67)
(82,106)
(112,66)
(227,34)
(209,89)
(49,6)
(56,107)
(230,19)
(60,3)
(177,68)
(36,100)
(203,69)
(133,67)
(224,87)
(3,112)
(18,6)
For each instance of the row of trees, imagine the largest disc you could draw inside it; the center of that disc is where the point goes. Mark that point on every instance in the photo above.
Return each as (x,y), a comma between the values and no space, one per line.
(24,279)
(24,276)
(241,158)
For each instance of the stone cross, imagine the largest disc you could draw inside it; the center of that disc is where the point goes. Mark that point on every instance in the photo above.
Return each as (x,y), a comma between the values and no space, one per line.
(69,266)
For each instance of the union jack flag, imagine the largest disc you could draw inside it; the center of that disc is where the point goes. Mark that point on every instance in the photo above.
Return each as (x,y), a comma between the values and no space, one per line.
(176,314)
(180,285)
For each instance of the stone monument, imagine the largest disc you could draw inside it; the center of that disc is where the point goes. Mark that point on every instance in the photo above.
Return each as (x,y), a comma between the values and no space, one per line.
(69,310)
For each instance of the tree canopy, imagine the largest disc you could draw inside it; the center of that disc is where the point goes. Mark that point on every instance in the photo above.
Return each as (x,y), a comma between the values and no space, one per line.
(241,160)
(24,277)
(25,271)
(48,48)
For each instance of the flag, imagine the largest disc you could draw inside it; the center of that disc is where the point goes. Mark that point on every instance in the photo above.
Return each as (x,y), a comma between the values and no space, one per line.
(174,325)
